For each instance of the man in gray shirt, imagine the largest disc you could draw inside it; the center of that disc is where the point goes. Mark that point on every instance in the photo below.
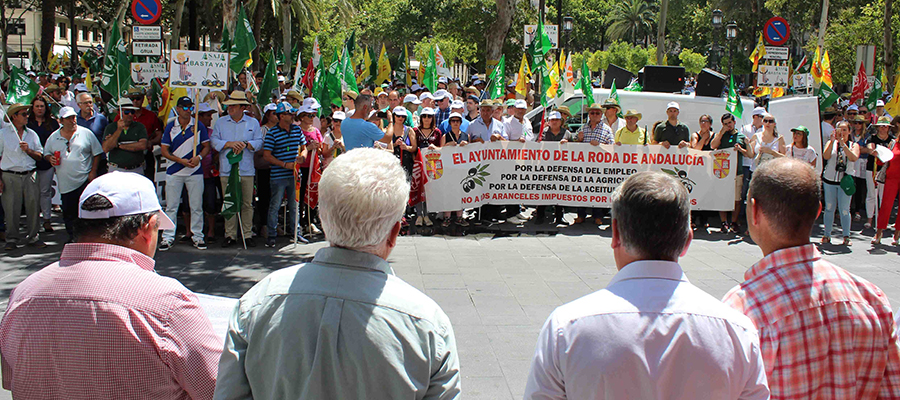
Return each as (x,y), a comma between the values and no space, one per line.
(343,326)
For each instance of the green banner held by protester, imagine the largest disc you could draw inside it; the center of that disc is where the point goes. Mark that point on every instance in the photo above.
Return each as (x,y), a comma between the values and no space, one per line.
(22,89)
(231,201)
(733,103)
(116,66)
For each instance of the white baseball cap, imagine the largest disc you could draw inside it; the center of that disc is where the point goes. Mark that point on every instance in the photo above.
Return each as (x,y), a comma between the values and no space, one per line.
(442,79)
(269,107)
(674,105)
(338,116)
(280,78)
(415,87)
(520,103)
(205,107)
(411,98)
(81,87)
(457,104)
(454,115)
(66,112)
(306,109)
(879,103)
(425,95)
(312,103)
(441,94)
(399,110)
(129,193)
(759,111)
(427,111)
(554,115)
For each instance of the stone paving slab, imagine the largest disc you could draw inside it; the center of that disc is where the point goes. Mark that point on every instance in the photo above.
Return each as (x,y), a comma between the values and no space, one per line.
(497,289)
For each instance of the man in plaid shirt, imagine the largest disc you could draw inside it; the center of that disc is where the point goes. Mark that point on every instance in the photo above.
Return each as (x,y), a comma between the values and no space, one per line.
(825,333)
(596,133)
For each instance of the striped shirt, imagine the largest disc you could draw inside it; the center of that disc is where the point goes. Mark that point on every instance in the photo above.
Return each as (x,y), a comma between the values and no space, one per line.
(180,142)
(824,332)
(284,146)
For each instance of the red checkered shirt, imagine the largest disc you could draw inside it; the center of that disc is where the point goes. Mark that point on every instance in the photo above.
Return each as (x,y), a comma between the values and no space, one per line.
(101,324)
(824,332)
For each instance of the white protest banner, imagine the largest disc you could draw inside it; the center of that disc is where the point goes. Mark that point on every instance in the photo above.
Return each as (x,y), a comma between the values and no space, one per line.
(198,69)
(772,76)
(572,174)
(143,73)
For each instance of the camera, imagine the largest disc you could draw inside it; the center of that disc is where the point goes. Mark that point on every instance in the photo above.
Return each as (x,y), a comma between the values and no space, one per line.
(381,114)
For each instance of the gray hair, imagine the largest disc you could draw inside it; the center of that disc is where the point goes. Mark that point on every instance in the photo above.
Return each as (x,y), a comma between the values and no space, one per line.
(362,194)
(786,190)
(653,215)
(81,96)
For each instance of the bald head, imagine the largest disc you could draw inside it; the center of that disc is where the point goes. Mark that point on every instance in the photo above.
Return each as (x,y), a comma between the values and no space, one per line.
(786,192)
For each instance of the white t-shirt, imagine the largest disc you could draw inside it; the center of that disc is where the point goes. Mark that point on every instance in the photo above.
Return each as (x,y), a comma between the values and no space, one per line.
(808,154)
(749,132)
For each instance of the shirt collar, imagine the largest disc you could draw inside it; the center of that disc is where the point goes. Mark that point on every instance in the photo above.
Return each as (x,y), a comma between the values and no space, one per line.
(178,124)
(227,117)
(650,269)
(77,252)
(351,258)
(779,258)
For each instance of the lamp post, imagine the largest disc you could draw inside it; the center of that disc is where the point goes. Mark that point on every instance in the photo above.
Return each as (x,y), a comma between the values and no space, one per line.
(730,34)
(567,23)
(717,24)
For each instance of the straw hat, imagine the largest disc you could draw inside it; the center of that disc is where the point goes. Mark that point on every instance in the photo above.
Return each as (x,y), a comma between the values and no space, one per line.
(633,113)
(237,98)
(294,95)
(13,109)
(564,110)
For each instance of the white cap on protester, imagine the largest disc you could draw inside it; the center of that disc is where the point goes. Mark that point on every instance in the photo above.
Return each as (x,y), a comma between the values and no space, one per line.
(425,95)
(205,107)
(427,111)
(280,78)
(457,104)
(554,115)
(879,103)
(399,111)
(455,115)
(338,116)
(441,94)
(521,104)
(411,98)
(312,103)
(66,112)
(81,87)
(759,111)
(269,107)
(129,193)
(674,105)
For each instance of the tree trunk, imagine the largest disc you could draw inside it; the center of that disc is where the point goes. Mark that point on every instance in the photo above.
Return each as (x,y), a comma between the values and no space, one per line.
(497,32)
(229,14)
(4,60)
(888,46)
(286,29)
(193,38)
(661,33)
(48,29)
(73,54)
(257,24)
(176,25)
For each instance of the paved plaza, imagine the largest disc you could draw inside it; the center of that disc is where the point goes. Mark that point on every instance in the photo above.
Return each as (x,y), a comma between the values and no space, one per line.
(496,288)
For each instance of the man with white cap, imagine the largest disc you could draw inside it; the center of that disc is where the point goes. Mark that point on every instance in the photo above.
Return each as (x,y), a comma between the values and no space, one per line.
(77,162)
(381,97)
(516,126)
(456,106)
(879,110)
(20,148)
(125,141)
(101,322)
(411,104)
(442,83)
(442,103)
(237,133)
(427,100)
(673,132)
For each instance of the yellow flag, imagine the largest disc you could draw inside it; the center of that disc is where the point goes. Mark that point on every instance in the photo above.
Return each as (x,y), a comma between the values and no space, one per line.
(826,69)
(53,63)
(366,67)
(758,52)
(406,65)
(893,106)
(554,80)
(88,81)
(817,66)
(174,95)
(384,68)
(777,92)
(762,91)
(524,75)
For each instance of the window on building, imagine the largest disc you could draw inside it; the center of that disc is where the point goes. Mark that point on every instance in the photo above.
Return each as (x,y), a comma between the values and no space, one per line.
(62,30)
(84,34)
(16,26)
(98,36)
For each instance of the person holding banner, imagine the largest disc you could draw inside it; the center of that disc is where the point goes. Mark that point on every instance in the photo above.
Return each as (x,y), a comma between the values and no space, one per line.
(596,133)
(185,142)
(631,133)
(554,132)
(284,145)
(673,132)
(238,133)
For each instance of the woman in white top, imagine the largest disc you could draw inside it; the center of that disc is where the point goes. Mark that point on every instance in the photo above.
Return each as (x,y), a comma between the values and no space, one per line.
(800,148)
(840,154)
(766,145)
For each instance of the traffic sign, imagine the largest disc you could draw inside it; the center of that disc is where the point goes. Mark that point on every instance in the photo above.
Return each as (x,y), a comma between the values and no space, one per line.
(146,12)
(146,48)
(776,31)
(146,32)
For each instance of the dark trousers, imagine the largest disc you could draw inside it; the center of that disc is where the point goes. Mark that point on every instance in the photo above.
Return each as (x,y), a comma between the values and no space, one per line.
(541,212)
(70,208)
(595,212)
(858,201)
(150,166)
(263,195)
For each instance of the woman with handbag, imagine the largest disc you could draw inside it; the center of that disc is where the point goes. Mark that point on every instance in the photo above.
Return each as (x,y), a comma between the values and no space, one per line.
(840,154)
(890,174)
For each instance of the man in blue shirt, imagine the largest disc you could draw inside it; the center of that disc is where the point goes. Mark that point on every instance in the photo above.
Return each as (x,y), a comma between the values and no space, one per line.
(456,106)
(94,121)
(238,133)
(284,146)
(179,146)
(357,131)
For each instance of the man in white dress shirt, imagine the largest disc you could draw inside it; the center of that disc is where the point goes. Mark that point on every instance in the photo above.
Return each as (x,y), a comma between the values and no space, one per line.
(516,126)
(650,334)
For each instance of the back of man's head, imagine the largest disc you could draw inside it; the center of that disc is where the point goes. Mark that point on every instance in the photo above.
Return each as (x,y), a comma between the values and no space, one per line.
(116,230)
(786,192)
(653,216)
(363,102)
(362,195)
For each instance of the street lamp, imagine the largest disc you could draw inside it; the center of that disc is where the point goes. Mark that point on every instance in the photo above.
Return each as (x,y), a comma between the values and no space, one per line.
(717,16)
(730,34)
(568,21)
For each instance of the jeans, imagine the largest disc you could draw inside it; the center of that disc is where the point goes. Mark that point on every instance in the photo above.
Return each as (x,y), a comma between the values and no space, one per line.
(70,208)
(45,182)
(835,196)
(174,185)
(21,190)
(279,188)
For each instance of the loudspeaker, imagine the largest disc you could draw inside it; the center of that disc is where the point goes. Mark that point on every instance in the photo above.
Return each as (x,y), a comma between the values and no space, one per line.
(663,78)
(621,75)
(710,83)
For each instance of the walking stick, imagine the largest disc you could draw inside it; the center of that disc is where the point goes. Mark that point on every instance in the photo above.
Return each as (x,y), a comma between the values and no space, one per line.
(241,228)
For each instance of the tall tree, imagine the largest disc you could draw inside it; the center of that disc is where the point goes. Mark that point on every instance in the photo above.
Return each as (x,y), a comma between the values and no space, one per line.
(498,30)
(888,46)
(661,32)
(48,29)
(176,25)
(632,19)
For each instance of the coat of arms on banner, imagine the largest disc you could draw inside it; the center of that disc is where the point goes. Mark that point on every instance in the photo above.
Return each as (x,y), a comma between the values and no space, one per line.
(433,166)
(721,164)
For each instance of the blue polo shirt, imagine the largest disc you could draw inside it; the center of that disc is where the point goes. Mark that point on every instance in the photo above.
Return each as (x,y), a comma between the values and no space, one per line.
(359,133)
(284,146)
(96,124)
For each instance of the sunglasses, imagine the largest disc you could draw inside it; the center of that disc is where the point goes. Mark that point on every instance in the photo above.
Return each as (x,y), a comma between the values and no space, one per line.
(858,123)
(595,113)
(852,113)
(428,116)
(127,112)
(769,121)
(23,113)
(455,121)
(187,108)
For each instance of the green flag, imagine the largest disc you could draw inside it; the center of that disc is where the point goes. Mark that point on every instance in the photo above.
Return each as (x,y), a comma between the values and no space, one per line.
(226,40)
(319,90)
(35,58)
(540,45)
(269,83)
(584,83)
(279,58)
(350,43)
(430,78)
(231,201)
(827,96)
(346,71)
(613,94)
(733,103)
(22,89)
(244,43)
(874,95)
(116,66)
(496,81)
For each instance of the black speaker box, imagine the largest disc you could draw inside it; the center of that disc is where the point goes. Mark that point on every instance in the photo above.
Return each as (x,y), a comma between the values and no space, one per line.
(663,78)
(621,75)
(710,83)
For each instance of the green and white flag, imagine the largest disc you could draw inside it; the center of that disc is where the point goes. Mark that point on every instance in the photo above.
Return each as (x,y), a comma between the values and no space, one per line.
(22,89)
(827,95)
(226,40)
(333,81)
(244,43)
(733,103)
(874,95)
(496,81)
(231,201)
(584,83)
(348,78)
(430,78)
(269,83)
(613,94)
(116,66)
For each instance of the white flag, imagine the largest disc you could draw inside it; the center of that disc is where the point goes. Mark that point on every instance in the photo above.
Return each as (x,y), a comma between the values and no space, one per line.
(316,54)
(298,73)
(442,69)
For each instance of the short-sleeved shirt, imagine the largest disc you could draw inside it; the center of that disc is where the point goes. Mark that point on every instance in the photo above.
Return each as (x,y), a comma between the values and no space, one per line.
(625,136)
(314,135)
(600,132)
(807,154)
(96,124)
(749,132)
(359,133)
(284,146)
(874,139)
(180,141)
(77,157)
(12,158)
(478,129)
(43,131)
(515,129)
(729,139)
(125,159)
(548,135)
(673,134)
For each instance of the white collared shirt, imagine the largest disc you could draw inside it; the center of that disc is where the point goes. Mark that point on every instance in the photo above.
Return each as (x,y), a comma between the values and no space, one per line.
(478,129)
(515,129)
(649,335)
(12,158)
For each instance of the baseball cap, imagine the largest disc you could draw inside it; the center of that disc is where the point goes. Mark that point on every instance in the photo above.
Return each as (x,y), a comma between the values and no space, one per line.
(554,115)
(129,193)
(280,78)
(399,111)
(415,88)
(477,82)
(442,79)
(879,103)
(81,87)
(441,94)
(455,115)
(338,116)
(184,101)
(425,95)
(801,128)
(66,112)
(759,111)
(674,105)
(284,107)
(853,107)
(204,107)
(510,103)
(521,104)
(427,111)
(305,109)
(457,104)
(411,98)
(312,103)
(269,107)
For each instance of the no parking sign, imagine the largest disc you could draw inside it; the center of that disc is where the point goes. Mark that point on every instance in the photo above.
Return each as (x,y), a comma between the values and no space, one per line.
(146,12)
(776,31)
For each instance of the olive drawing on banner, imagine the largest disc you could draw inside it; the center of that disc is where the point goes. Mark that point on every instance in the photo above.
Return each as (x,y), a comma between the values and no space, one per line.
(474,177)
(682,176)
